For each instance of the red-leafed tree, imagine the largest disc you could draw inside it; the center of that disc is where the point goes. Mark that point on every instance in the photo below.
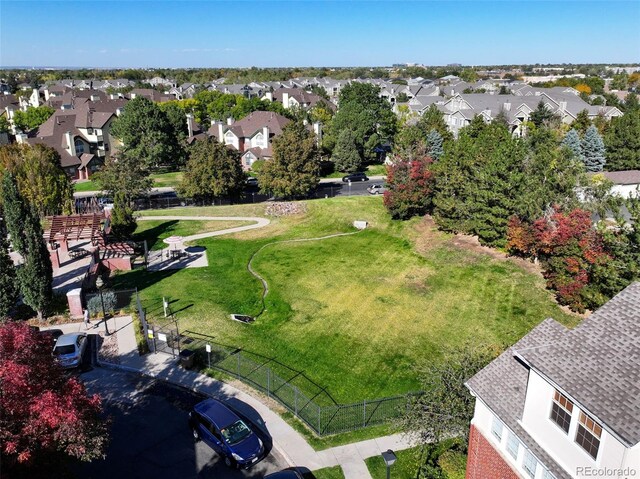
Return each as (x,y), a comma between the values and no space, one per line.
(410,184)
(43,411)
(569,248)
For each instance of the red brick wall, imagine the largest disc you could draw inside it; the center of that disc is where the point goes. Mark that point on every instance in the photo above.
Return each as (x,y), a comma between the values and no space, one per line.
(484,462)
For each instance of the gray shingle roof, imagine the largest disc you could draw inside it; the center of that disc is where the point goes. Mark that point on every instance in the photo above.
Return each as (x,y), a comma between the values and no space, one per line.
(598,364)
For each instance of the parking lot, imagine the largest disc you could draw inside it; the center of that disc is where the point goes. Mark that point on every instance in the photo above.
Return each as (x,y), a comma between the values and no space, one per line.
(150,437)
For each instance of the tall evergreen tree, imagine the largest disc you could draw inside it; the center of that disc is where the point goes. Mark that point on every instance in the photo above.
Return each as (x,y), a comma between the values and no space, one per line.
(15,209)
(542,116)
(573,142)
(433,119)
(8,283)
(345,154)
(593,151)
(623,142)
(582,122)
(123,223)
(434,144)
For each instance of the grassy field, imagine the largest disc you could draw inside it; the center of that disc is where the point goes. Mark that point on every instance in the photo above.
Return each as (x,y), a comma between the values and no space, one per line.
(154,231)
(159,180)
(354,313)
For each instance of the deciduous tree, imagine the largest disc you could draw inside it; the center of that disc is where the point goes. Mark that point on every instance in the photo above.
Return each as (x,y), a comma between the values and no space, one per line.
(32,118)
(213,171)
(43,410)
(294,170)
(410,184)
(40,178)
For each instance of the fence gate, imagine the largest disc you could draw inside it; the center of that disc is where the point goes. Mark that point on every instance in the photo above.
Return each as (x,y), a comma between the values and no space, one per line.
(164,338)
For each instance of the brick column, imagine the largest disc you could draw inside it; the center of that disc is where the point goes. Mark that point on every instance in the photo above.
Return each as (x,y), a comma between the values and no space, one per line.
(74,298)
(55,259)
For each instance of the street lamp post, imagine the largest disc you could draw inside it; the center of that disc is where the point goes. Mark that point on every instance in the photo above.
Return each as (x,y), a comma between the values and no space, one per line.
(389,458)
(100,285)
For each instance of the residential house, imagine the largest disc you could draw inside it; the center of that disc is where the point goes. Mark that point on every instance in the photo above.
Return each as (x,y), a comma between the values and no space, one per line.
(252,136)
(294,98)
(80,133)
(151,94)
(625,183)
(562,403)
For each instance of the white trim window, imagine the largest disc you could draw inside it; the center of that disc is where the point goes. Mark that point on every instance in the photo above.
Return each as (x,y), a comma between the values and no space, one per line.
(529,464)
(513,445)
(561,409)
(588,435)
(547,475)
(497,428)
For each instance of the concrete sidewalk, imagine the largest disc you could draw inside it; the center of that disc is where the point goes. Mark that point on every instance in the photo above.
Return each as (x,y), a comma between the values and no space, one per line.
(286,440)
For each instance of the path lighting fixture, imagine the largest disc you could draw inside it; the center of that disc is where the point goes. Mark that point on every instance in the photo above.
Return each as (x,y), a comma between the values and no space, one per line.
(99,286)
(389,458)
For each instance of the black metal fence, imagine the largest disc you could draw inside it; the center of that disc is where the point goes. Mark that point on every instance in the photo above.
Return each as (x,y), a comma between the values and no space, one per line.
(306,400)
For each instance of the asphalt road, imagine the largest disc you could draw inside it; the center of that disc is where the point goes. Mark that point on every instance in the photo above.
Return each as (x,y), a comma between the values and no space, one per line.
(150,437)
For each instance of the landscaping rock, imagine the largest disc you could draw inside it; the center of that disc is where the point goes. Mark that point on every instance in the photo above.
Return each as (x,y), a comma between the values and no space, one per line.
(285,208)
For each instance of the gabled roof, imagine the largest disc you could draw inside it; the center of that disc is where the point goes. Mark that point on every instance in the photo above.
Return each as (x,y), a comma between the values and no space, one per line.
(628,177)
(598,364)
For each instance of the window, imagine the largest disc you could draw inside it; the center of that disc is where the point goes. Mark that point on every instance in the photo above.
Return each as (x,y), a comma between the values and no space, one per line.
(547,475)
(496,428)
(79,147)
(588,435)
(530,464)
(561,410)
(513,444)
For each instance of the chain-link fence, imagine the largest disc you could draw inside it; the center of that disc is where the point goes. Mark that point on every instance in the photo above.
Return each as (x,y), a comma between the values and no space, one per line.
(305,399)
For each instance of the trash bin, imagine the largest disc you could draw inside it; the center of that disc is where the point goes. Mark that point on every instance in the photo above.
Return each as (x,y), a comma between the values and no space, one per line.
(186,358)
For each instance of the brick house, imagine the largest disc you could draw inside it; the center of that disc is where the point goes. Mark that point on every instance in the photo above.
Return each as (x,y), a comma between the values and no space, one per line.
(562,403)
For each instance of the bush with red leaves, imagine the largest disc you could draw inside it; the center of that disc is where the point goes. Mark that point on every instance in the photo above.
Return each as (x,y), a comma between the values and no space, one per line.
(410,185)
(43,411)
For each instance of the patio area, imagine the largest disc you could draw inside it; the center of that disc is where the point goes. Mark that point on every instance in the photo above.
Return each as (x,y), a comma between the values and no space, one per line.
(177,258)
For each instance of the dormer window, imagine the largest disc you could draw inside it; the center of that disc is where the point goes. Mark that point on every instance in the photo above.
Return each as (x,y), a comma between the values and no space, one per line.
(561,410)
(588,435)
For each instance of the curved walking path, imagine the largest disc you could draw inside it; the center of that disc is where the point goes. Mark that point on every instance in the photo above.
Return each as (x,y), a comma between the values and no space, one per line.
(265,285)
(259,222)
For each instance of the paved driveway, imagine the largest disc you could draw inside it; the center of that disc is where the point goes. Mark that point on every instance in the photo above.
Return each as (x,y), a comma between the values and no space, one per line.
(149,433)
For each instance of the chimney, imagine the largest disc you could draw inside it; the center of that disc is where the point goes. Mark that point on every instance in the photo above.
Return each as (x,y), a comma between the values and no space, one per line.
(94,98)
(265,134)
(317,129)
(220,133)
(507,106)
(71,147)
(269,96)
(190,124)
(285,99)
(229,121)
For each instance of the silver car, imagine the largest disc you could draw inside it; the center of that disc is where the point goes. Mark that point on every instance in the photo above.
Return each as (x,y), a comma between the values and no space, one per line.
(69,349)
(377,189)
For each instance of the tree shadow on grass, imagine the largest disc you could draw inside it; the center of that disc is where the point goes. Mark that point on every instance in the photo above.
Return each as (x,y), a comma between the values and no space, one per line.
(152,235)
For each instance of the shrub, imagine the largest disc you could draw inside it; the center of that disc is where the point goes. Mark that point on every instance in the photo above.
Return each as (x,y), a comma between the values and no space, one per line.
(94,305)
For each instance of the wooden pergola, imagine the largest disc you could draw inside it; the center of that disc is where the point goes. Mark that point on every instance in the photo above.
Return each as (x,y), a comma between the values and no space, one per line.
(63,228)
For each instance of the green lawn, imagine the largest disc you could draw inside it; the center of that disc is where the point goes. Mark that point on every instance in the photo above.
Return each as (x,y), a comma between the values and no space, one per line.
(355,313)
(334,472)
(159,180)
(452,462)
(154,231)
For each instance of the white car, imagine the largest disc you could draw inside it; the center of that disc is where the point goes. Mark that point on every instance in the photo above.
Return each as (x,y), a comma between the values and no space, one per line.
(69,349)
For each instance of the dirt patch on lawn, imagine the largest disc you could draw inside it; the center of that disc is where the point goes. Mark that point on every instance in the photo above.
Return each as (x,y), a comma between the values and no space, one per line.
(429,236)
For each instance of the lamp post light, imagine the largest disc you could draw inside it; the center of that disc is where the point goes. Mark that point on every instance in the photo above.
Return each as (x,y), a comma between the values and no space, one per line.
(100,285)
(389,459)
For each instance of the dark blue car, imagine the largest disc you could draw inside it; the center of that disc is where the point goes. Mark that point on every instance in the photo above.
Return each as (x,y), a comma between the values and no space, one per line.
(222,430)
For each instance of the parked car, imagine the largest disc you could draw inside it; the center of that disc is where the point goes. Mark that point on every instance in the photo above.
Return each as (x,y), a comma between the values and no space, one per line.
(359,176)
(251,181)
(221,429)
(377,189)
(69,349)
(286,474)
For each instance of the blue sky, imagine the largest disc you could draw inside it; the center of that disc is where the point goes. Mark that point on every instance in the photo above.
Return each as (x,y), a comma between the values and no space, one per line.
(316,33)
